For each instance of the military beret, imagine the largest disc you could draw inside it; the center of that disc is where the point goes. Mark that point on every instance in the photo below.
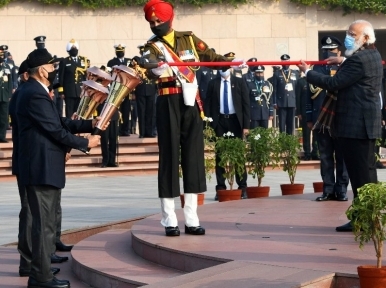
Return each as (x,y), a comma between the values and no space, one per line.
(285,57)
(40,57)
(259,68)
(253,59)
(230,55)
(23,67)
(330,42)
(3,47)
(119,47)
(40,39)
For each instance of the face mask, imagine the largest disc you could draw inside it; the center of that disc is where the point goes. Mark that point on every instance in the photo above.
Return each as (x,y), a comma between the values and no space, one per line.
(120,54)
(285,67)
(349,42)
(259,78)
(40,45)
(162,29)
(51,76)
(73,52)
(225,73)
(327,54)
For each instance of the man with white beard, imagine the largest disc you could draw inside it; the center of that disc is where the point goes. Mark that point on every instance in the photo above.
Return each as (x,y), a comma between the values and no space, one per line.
(357,121)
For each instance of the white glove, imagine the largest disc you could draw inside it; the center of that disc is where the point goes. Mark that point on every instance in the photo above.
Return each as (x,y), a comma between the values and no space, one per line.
(241,66)
(160,70)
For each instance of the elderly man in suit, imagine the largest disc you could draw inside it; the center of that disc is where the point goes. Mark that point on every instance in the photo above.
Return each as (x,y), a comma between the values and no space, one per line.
(44,139)
(227,103)
(357,121)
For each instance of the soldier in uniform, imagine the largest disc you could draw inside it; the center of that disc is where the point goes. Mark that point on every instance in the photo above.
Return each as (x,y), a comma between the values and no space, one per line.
(40,42)
(301,111)
(204,75)
(284,99)
(237,72)
(6,87)
(260,92)
(331,156)
(125,108)
(72,72)
(179,126)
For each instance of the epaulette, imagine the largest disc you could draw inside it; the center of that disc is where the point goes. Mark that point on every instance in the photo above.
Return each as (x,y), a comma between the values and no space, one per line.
(151,39)
(187,33)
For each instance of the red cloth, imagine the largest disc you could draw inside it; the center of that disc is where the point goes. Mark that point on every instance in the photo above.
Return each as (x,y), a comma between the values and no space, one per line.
(162,10)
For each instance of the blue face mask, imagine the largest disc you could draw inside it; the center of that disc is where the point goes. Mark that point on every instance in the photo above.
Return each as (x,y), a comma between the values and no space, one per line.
(225,73)
(349,42)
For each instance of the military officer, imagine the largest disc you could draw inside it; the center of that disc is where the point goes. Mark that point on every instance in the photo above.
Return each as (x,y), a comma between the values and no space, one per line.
(331,156)
(260,92)
(125,108)
(72,71)
(40,42)
(204,75)
(141,48)
(284,99)
(6,88)
(235,71)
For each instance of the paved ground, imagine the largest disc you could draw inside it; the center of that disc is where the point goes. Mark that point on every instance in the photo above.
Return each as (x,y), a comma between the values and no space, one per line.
(92,201)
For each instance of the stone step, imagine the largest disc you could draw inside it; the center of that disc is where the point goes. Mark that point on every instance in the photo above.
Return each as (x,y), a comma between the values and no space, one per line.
(107,260)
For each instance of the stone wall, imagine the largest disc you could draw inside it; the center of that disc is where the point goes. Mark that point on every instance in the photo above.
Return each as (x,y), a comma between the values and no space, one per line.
(266,29)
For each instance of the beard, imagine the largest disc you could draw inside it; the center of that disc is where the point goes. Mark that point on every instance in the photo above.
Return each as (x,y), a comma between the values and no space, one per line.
(358,44)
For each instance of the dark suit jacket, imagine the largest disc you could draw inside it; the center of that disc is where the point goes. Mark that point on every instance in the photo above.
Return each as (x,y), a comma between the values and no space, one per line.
(240,99)
(70,81)
(358,83)
(44,137)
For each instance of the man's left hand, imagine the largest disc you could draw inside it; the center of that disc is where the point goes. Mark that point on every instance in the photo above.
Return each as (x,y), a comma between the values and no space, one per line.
(303,66)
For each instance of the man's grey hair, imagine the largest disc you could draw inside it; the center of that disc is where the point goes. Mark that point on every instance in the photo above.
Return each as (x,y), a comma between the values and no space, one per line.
(33,71)
(367,30)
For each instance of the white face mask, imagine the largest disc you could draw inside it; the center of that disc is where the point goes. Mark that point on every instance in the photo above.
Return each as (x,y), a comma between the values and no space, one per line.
(225,73)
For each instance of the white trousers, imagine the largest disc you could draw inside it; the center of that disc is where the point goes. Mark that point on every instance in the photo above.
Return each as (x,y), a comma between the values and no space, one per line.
(169,217)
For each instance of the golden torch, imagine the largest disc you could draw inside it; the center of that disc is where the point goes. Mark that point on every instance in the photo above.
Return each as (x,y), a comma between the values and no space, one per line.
(92,93)
(125,79)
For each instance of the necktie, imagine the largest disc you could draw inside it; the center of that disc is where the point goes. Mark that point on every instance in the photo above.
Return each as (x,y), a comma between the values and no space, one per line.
(226,107)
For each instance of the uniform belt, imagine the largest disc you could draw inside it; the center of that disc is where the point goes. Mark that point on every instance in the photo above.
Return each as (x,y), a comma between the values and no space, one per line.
(226,116)
(168,91)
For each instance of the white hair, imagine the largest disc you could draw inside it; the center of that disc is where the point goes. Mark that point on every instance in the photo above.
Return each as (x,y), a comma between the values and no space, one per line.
(367,30)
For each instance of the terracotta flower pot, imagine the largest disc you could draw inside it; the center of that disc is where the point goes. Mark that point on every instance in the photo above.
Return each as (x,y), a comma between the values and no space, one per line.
(318,187)
(200,199)
(257,192)
(228,195)
(372,277)
(291,189)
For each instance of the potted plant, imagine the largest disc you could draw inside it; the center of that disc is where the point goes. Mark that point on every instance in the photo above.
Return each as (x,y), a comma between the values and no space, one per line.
(259,155)
(231,151)
(368,218)
(286,153)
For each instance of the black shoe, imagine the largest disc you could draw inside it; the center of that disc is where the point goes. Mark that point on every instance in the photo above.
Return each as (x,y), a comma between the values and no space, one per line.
(307,158)
(341,197)
(172,231)
(326,197)
(112,165)
(140,136)
(216,197)
(195,230)
(379,165)
(62,247)
(344,228)
(244,193)
(103,166)
(315,158)
(3,141)
(25,272)
(58,259)
(54,283)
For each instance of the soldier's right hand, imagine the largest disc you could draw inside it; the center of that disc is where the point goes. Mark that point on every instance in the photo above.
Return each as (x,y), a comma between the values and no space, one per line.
(310,125)
(93,141)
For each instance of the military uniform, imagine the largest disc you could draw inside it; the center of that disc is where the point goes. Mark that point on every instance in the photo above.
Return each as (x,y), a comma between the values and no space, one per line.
(260,92)
(331,155)
(284,83)
(125,108)
(6,87)
(72,72)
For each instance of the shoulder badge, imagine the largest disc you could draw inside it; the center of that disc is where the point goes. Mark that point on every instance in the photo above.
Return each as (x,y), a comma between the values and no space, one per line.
(201,46)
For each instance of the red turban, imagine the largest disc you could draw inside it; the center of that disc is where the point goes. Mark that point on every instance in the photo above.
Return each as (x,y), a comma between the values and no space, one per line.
(162,10)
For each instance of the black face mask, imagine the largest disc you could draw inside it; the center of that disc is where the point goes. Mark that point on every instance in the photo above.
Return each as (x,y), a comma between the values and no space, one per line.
(285,67)
(326,54)
(162,29)
(51,77)
(259,78)
(40,45)
(73,52)
(120,54)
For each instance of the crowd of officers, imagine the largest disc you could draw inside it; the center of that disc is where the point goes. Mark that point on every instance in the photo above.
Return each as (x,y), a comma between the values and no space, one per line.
(286,92)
